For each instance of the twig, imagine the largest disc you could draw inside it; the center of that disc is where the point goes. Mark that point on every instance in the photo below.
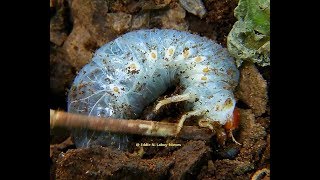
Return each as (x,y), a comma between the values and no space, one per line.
(61,146)
(258,174)
(127,126)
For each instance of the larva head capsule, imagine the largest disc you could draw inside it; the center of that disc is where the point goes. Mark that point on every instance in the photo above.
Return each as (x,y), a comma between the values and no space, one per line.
(234,121)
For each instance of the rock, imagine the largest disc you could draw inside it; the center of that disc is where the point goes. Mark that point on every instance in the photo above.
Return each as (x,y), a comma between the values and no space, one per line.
(173,18)
(119,22)
(140,21)
(85,12)
(76,47)
(195,7)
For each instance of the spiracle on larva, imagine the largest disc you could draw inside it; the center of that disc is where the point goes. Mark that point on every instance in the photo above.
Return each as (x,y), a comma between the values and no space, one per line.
(128,73)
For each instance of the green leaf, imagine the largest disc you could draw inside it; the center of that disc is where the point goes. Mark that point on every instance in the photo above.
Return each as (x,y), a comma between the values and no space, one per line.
(249,39)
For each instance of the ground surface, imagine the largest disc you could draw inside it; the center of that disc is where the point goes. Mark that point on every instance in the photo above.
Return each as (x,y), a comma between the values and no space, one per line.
(79,27)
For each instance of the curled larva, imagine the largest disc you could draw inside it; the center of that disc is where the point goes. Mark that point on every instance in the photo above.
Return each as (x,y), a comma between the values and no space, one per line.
(128,73)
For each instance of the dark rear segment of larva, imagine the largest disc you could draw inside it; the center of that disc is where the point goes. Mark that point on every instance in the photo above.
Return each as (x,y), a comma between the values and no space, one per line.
(127,74)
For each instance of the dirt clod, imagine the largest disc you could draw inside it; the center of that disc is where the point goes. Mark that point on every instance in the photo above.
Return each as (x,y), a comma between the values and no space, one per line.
(187,158)
(252,89)
(252,137)
(102,163)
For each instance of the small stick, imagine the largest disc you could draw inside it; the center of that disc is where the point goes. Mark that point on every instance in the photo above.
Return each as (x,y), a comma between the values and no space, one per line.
(127,126)
(258,174)
(64,144)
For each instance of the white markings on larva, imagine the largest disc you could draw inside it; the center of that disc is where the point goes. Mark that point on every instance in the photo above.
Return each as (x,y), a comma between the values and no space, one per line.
(116,90)
(204,78)
(153,55)
(184,55)
(199,68)
(133,67)
(169,53)
(200,78)
(199,59)
(206,70)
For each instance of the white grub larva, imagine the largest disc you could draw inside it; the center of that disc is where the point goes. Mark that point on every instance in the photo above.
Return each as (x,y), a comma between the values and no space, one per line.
(129,73)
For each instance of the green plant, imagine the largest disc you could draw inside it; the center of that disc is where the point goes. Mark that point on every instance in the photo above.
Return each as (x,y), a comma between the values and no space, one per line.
(249,39)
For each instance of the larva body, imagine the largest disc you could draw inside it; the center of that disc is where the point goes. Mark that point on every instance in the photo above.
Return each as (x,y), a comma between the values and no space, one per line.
(127,74)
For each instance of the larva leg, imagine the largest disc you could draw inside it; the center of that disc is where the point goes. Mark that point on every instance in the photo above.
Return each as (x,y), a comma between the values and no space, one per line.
(207,124)
(177,98)
(233,139)
(187,115)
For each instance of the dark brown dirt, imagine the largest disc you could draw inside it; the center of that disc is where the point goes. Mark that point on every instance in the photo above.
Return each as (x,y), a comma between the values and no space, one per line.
(220,15)
(188,158)
(102,163)
(79,27)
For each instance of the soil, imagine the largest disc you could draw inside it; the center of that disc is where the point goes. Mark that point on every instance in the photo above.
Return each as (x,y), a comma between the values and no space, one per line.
(79,27)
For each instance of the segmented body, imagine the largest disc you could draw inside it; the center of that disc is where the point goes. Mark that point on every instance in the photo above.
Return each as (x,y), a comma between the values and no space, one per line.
(127,74)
